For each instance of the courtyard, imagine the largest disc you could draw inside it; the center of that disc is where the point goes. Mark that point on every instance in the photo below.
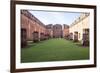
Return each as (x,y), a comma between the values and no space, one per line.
(56,49)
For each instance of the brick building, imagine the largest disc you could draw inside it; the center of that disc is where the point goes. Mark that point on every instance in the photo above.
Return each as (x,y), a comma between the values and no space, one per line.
(57,31)
(65,31)
(79,29)
(32,29)
(49,28)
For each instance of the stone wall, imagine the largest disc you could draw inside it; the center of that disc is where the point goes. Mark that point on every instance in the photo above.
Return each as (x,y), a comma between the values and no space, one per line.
(79,25)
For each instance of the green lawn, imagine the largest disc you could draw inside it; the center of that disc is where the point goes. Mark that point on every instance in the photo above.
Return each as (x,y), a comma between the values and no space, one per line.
(54,50)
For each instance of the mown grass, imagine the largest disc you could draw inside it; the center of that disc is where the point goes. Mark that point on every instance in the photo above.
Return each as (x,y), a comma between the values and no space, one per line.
(54,50)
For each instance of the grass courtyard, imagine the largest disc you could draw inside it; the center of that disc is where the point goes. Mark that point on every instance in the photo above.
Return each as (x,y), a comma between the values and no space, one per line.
(54,50)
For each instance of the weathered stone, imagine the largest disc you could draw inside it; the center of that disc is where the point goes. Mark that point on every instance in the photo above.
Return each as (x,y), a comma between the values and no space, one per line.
(23,38)
(35,37)
(75,36)
(85,40)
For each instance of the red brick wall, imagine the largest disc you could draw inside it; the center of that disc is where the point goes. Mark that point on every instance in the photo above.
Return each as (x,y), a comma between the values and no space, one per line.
(34,25)
(57,31)
(65,32)
(31,26)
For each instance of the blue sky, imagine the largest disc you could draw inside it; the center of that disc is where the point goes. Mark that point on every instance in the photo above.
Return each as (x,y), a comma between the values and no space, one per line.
(51,17)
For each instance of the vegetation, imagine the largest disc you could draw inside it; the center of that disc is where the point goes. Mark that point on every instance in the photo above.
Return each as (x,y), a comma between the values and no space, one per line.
(54,50)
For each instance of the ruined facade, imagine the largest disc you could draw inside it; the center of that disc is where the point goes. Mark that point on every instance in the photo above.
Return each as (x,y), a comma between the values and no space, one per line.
(32,25)
(57,31)
(66,31)
(32,29)
(79,29)
(49,28)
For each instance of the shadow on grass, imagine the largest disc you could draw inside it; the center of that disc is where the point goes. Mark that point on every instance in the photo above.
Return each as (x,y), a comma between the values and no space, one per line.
(31,44)
(80,45)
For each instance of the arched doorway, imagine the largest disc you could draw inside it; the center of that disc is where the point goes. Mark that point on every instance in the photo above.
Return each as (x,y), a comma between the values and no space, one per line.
(76,36)
(35,36)
(23,37)
(85,37)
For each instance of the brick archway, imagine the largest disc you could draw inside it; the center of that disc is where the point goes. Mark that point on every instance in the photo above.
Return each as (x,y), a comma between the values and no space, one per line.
(35,36)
